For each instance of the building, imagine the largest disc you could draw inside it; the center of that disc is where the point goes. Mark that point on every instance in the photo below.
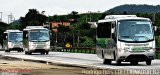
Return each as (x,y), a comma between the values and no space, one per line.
(54,25)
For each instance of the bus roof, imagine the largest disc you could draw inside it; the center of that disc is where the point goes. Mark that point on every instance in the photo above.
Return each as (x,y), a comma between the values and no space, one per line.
(7,31)
(34,27)
(112,18)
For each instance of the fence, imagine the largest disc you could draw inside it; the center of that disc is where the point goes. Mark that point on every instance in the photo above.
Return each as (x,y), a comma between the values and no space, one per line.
(75,50)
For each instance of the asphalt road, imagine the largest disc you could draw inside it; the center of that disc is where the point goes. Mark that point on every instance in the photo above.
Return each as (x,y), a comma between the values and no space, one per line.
(79,59)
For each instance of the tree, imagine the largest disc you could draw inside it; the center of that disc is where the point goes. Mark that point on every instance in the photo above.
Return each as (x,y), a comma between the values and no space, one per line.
(33,17)
(88,42)
(62,28)
(3,27)
(85,26)
(74,16)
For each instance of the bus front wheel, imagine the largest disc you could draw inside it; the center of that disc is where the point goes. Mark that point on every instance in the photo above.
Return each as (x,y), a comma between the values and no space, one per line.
(107,61)
(7,50)
(118,62)
(148,62)
(26,53)
(47,52)
(29,53)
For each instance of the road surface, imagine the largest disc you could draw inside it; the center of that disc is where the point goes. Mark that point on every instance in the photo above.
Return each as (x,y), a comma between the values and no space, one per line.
(80,59)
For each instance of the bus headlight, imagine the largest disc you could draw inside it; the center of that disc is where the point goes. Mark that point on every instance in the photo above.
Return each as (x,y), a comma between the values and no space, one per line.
(10,45)
(21,46)
(47,47)
(31,46)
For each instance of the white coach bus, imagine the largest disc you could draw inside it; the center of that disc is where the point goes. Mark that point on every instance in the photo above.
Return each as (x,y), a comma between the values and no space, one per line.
(125,38)
(13,40)
(36,39)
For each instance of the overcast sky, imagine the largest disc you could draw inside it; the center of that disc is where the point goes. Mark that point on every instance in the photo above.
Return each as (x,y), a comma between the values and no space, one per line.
(51,7)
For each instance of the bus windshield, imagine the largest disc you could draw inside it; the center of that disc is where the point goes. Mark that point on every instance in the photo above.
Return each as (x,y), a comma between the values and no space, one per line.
(135,30)
(39,35)
(15,36)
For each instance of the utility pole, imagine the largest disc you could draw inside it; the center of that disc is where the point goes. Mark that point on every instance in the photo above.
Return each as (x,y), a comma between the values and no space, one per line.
(86,17)
(10,18)
(1,16)
(154,18)
(90,19)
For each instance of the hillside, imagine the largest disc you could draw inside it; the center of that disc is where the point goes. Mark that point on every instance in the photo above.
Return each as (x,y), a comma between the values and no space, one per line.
(133,9)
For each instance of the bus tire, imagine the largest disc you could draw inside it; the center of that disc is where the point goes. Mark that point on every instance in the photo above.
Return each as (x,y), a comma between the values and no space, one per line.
(47,52)
(148,62)
(118,62)
(107,61)
(29,53)
(7,51)
(26,53)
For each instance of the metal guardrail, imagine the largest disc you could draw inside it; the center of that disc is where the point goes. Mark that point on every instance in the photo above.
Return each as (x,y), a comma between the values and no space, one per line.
(75,49)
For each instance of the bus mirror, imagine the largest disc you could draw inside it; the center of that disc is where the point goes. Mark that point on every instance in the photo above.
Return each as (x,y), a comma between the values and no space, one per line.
(155,28)
(112,30)
(6,37)
(50,33)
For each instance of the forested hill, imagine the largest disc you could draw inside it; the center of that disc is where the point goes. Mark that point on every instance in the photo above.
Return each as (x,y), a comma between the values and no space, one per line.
(132,9)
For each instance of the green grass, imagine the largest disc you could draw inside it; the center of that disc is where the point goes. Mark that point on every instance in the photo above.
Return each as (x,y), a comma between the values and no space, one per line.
(157,55)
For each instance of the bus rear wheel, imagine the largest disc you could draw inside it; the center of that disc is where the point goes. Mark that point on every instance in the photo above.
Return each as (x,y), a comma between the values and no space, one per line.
(107,61)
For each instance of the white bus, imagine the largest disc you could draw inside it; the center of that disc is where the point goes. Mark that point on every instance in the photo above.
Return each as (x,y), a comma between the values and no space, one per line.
(125,38)
(13,40)
(36,39)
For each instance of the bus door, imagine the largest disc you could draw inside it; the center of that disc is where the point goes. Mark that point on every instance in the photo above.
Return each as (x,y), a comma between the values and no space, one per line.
(105,40)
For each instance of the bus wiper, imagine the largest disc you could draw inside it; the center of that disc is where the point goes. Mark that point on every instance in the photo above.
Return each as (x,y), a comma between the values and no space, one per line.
(128,37)
(33,40)
(144,37)
(43,40)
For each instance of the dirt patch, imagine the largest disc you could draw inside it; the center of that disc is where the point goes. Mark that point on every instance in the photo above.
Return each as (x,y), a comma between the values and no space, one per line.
(21,67)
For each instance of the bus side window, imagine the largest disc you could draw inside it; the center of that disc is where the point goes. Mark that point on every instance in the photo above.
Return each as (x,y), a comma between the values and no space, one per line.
(104,30)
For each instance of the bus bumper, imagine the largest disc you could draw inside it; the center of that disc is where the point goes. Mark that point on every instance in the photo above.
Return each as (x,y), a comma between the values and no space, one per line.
(135,56)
